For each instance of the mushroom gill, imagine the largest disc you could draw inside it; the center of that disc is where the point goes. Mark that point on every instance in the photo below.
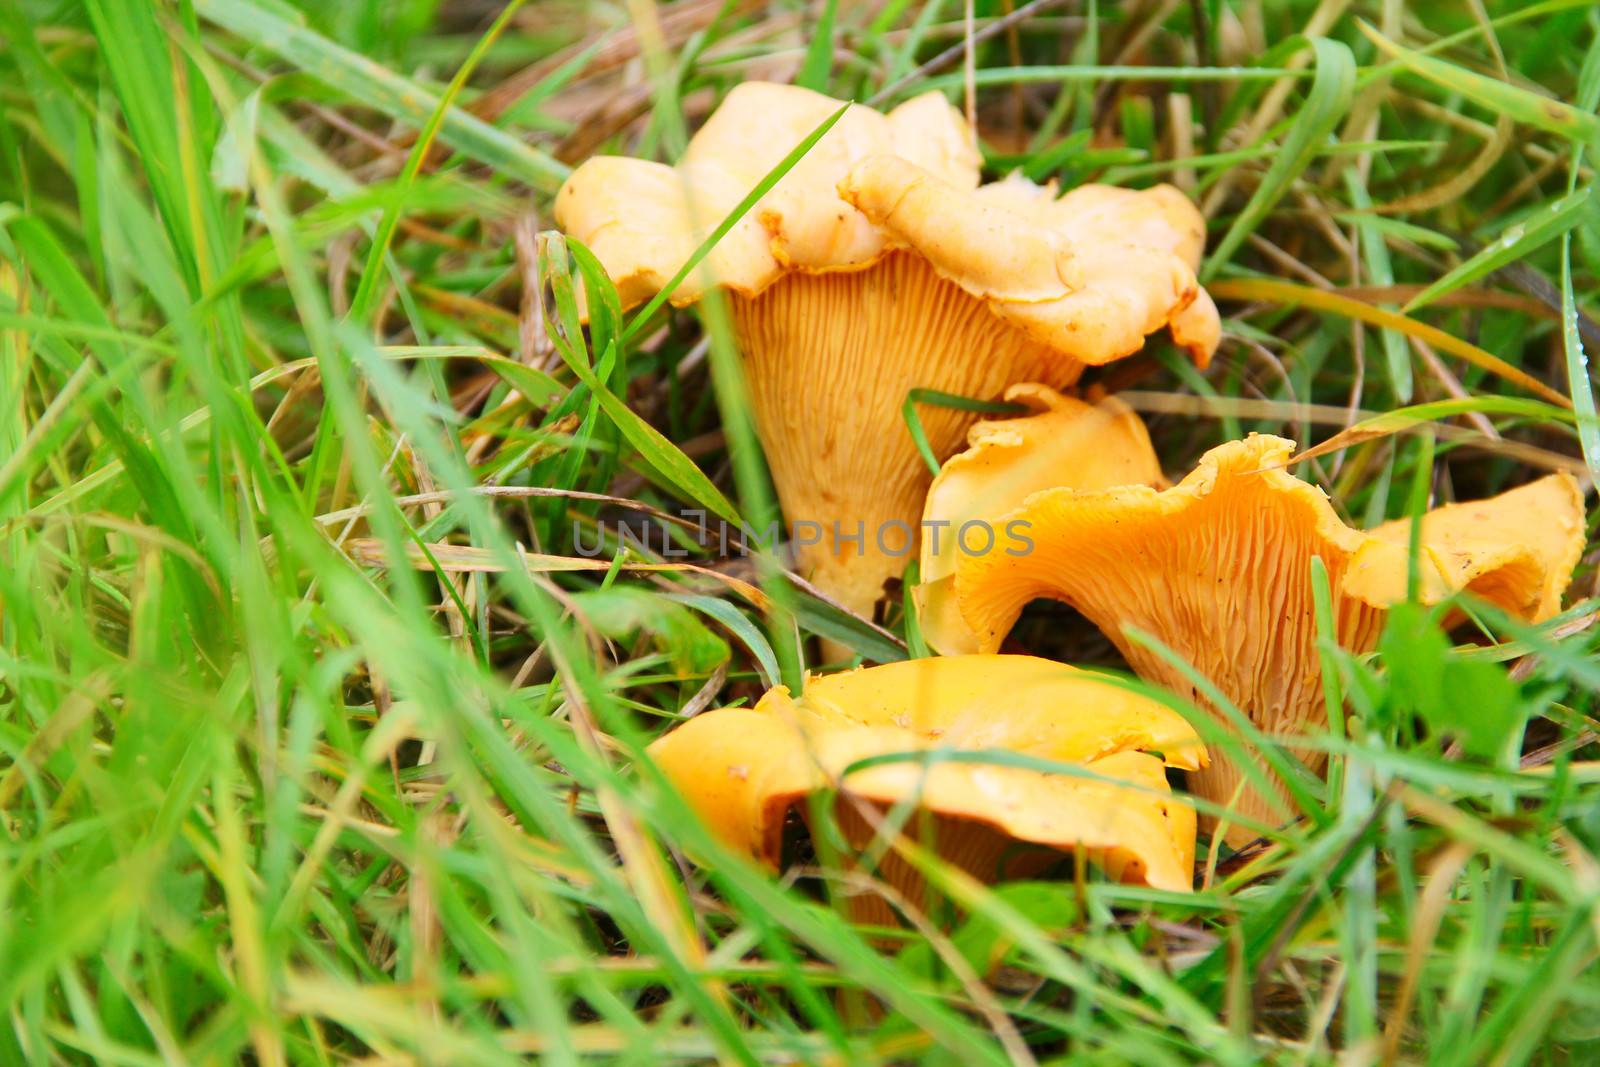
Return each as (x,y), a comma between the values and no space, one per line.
(744,770)
(1218,568)
(1063,442)
(875,267)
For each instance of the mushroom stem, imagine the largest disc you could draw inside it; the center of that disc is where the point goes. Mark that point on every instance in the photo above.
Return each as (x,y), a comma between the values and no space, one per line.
(973,847)
(830,359)
(1273,679)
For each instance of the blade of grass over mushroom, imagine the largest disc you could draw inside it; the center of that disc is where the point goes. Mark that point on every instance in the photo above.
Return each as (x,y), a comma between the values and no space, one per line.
(761,189)
(372,84)
(1004,757)
(1287,768)
(913,421)
(1555,220)
(1327,652)
(1289,293)
(1416,507)
(732,395)
(1327,101)
(916,644)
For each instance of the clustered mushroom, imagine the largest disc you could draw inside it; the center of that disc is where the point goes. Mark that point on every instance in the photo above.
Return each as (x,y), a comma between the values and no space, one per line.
(1218,567)
(878,265)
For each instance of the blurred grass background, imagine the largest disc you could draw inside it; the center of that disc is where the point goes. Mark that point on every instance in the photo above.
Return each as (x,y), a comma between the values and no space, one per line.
(276,313)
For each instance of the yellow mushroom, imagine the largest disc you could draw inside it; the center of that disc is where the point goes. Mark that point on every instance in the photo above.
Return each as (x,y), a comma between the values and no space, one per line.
(744,770)
(875,267)
(1218,568)
(1065,442)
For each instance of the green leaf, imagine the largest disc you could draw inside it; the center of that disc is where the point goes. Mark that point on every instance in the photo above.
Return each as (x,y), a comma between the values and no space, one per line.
(230,160)
(374,273)
(664,457)
(825,620)
(741,627)
(1472,700)
(1408,231)
(983,942)
(1578,381)
(540,389)
(1375,254)
(916,643)
(1040,165)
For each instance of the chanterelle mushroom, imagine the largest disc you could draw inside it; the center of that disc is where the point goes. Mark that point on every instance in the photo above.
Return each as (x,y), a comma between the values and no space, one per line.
(744,769)
(876,266)
(1066,442)
(1218,568)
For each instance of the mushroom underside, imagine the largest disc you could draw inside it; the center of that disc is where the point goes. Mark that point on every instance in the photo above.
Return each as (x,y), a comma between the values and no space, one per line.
(1119,828)
(1229,594)
(831,359)
(975,847)
(1219,570)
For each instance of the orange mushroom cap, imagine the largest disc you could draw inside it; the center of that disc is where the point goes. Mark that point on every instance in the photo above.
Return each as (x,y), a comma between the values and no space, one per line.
(743,770)
(1218,568)
(877,266)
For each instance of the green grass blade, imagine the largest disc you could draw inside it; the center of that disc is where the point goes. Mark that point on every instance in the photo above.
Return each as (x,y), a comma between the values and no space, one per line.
(1499,97)
(1516,243)
(818,66)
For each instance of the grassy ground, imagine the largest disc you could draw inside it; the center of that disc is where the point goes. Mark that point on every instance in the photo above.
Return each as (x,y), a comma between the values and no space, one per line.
(269,320)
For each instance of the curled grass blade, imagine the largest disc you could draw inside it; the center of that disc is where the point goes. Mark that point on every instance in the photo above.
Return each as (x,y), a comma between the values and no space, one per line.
(913,421)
